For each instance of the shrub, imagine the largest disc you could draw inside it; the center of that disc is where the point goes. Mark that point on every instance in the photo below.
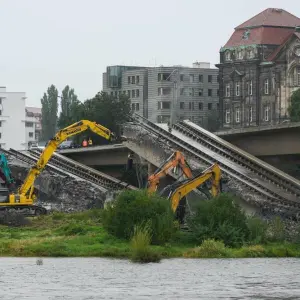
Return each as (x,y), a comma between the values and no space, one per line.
(140,245)
(257,230)
(276,230)
(252,251)
(220,218)
(209,249)
(133,208)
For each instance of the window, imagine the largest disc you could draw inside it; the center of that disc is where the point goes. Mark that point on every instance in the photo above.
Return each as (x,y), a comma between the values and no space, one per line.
(164,91)
(128,93)
(201,78)
(137,79)
(163,105)
(237,115)
(111,93)
(250,114)
(181,105)
(191,106)
(227,56)
(0,136)
(240,54)
(249,87)
(218,93)
(209,78)
(31,134)
(163,119)
(133,79)
(119,93)
(182,90)
(0,124)
(129,79)
(273,83)
(191,91)
(137,106)
(0,100)
(237,89)
(164,76)
(227,92)
(116,93)
(133,93)
(200,92)
(250,53)
(267,113)
(191,77)
(266,86)
(0,112)
(200,106)
(209,92)
(28,124)
(137,93)
(209,106)
(181,77)
(227,116)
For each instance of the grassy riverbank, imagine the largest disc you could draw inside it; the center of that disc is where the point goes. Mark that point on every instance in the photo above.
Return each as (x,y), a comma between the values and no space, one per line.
(82,234)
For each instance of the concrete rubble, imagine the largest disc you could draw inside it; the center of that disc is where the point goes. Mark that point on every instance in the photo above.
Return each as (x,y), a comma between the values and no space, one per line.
(63,193)
(155,149)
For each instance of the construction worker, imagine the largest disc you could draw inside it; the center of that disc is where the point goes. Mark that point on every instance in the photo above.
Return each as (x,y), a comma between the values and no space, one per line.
(90,142)
(84,143)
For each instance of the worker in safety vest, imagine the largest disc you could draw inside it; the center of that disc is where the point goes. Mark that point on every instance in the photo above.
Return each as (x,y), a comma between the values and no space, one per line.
(84,143)
(90,142)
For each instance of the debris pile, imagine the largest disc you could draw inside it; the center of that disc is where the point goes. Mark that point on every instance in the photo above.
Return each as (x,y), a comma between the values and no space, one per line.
(62,193)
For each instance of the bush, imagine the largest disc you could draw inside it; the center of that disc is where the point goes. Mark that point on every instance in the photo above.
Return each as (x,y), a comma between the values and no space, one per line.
(140,245)
(220,218)
(257,230)
(209,249)
(133,208)
(276,230)
(252,251)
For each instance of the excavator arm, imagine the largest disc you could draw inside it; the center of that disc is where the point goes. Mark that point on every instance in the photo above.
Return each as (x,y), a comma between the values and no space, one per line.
(175,160)
(213,173)
(52,145)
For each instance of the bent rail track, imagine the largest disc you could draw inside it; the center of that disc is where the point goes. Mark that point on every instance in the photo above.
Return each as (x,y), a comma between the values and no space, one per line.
(275,187)
(63,166)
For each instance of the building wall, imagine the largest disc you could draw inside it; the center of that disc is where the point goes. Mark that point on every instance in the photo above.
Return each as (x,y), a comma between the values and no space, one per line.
(157,94)
(12,120)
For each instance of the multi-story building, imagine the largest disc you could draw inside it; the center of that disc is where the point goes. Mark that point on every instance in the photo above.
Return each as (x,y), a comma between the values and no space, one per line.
(33,125)
(164,93)
(259,69)
(12,119)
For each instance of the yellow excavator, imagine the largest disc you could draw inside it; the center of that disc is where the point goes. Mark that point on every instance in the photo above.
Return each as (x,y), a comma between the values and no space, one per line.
(211,177)
(24,198)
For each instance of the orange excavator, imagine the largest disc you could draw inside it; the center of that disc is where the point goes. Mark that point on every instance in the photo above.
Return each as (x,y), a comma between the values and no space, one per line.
(172,163)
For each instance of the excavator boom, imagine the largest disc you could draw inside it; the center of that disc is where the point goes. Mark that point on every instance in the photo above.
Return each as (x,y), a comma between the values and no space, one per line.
(213,173)
(175,160)
(52,145)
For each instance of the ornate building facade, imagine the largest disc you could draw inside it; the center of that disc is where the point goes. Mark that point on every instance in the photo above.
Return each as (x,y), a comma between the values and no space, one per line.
(259,69)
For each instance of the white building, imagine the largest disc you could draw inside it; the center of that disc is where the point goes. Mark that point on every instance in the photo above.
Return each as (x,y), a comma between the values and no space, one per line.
(12,120)
(33,125)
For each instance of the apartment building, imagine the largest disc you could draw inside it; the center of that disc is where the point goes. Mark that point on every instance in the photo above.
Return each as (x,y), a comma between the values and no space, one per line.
(158,92)
(33,125)
(12,119)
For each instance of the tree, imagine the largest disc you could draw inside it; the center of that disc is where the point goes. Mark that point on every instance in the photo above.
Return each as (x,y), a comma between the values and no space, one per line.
(294,109)
(49,113)
(70,108)
(108,111)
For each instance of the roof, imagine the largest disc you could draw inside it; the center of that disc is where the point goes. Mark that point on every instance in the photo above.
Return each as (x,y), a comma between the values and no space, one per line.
(277,51)
(260,36)
(272,17)
(34,110)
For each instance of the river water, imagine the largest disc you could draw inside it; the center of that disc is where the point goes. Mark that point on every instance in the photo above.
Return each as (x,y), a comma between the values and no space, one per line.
(98,278)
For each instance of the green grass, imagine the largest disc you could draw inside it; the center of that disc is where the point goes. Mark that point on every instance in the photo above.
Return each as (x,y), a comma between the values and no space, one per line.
(82,235)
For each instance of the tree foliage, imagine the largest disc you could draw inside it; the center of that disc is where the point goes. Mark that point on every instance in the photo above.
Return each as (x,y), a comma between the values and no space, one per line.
(294,109)
(49,113)
(70,106)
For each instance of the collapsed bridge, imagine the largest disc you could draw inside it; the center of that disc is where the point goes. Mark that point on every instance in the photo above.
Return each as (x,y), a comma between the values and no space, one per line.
(255,181)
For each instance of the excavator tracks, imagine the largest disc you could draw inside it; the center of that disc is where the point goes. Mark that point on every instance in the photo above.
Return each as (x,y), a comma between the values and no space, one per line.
(273,186)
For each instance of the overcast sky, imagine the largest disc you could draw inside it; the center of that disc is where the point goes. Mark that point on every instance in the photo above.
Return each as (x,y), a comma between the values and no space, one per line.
(62,42)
